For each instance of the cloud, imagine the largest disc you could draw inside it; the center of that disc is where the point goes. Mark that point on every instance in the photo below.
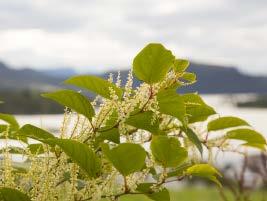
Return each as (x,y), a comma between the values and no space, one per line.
(102,34)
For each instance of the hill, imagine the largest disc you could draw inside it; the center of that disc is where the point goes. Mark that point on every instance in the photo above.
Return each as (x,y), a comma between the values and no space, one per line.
(211,79)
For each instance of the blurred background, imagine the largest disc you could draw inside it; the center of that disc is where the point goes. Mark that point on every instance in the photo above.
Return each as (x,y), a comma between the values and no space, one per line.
(42,42)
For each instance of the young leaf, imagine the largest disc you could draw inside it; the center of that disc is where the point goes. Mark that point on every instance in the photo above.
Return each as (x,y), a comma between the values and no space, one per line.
(81,154)
(34,132)
(73,100)
(10,119)
(168,151)
(95,84)
(226,122)
(248,135)
(10,194)
(127,158)
(152,63)
(171,103)
(144,121)
(180,65)
(192,136)
(190,78)
(204,171)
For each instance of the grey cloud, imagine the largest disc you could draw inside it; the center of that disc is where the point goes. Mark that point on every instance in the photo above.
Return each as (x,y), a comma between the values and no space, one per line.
(231,31)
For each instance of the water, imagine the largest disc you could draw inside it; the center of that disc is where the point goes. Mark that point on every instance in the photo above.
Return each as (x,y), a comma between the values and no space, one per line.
(257,117)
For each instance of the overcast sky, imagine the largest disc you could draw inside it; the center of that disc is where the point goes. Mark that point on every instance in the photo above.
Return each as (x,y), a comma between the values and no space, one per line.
(103,34)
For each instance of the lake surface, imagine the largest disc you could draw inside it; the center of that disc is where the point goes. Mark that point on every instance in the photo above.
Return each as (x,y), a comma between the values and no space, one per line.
(257,117)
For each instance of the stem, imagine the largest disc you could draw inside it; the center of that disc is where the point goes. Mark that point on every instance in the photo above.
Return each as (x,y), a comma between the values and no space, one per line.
(126,188)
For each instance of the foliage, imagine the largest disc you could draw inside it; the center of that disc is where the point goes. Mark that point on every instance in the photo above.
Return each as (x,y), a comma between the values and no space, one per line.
(122,137)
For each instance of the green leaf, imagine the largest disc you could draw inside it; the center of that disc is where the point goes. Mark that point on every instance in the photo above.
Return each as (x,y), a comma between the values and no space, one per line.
(9,194)
(162,195)
(192,136)
(10,119)
(226,122)
(112,135)
(190,78)
(127,158)
(171,103)
(144,121)
(152,63)
(146,188)
(192,100)
(204,171)
(180,65)
(112,119)
(168,151)
(248,135)
(12,150)
(11,135)
(36,148)
(73,100)
(81,154)
(94,84)
(34,132)
(196,109)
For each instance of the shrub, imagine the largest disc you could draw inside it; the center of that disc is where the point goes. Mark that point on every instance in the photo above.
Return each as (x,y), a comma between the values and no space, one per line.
(108,147)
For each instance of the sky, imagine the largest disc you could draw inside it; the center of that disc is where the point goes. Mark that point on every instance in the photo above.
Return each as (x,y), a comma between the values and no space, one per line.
(100,35)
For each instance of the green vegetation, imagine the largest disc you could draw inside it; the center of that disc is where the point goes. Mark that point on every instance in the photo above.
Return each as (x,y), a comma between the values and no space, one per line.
(197,194)
(107,148)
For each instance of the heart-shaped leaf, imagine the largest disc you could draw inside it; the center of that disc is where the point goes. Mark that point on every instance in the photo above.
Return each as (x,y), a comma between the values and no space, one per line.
(152,63)
(168,151)
(127,158)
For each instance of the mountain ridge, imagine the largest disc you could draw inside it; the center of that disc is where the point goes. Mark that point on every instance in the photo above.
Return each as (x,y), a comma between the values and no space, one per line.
(211,79)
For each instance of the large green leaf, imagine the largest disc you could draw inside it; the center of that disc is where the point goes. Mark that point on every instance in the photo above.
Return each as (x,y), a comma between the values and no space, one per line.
(144,121)
(192,136)
(73,100)
(10,194)
(127,158)
(152,63)
(180,65)
(10,119)
(248,135)
(204,171)
(81,154)
(95,84)
(226,122)
(110,134)
(196,109)
(161,195)
(171,103)
(192,99)
(168,151)
(34,132)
